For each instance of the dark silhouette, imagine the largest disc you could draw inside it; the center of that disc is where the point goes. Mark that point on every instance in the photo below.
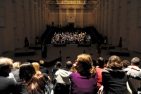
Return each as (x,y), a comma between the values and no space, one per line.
(105,40)
(98,47)
(44,50)
(120,43)
(37,40)
(26,42)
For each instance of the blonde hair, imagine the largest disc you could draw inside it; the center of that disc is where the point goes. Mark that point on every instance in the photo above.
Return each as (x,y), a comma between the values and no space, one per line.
(36,66)
(85,64)
(16,65)
(6,61)
(41,61)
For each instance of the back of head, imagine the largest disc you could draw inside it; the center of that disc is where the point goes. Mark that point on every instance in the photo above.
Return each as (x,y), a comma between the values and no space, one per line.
(36,84)
(5,66)
(36,66)
(41,62)
(135,61)
(16,65)
(58,64)
(84,64)
(125,63)
(114,62)
(101,62)
(68,64)
(26,71)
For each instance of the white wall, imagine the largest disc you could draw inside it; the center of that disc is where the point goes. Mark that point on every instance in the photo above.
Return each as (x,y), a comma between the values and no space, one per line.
(120,18)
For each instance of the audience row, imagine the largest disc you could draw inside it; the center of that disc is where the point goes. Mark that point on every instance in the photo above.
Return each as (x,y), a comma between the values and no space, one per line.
(81,77)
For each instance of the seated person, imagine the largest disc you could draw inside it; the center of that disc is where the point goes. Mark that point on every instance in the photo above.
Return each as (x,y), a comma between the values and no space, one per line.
(42,68)
(114,78)
(7,85)
(84,79)
(133,70)
(32,81)
(54,69)
(62,79)
(15,70)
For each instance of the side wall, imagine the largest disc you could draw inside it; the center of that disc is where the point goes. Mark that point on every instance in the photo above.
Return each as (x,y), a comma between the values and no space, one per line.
(119,18)
(20,19)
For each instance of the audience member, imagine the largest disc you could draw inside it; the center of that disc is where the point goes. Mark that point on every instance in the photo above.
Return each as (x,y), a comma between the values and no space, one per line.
(54,69)
(36,67)
(84,80)
(133,70)
(32,83)
(114,78)
(11,76)
(99,70)
(125,63)
(62,85)
(7,86)
(15,70)
(134,75)
(68,66)
(42,68)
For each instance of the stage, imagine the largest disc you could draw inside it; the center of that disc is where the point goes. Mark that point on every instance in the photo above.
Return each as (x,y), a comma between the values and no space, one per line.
(66,53)
(119,52)
(69,50)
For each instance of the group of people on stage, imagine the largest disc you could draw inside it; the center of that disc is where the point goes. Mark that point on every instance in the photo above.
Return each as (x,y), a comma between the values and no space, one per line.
(71,37)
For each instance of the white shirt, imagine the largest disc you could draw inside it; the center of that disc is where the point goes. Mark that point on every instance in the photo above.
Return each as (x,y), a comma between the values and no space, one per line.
(62,76)
(133,71)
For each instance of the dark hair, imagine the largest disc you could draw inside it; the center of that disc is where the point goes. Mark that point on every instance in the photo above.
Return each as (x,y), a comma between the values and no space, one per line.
(101,62)
(56,67)
(68,64)
(5,66)
(125,63)
(26,71)
(58,64)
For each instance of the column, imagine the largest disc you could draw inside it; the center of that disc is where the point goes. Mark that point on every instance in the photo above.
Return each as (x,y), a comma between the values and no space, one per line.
(60,17)
(81,18)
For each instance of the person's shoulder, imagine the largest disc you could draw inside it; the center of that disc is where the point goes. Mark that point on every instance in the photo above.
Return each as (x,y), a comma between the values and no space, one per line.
(45,74)
(75,74)
(62,71)
(7,81)
(58,71)
(98,68)
(43,68)
(105,71)
(72,74)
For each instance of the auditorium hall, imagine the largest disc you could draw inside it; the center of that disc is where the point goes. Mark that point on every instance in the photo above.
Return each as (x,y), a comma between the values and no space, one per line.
(60,30)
